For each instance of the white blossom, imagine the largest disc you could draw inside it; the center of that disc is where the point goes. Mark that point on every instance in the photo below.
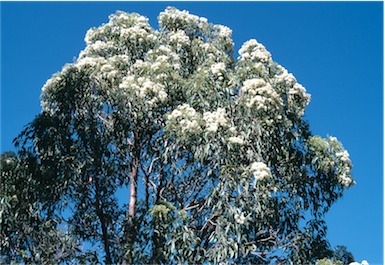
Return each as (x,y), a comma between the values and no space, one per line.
(189,126)
(100,47)
(250,86)
(240,218)
(179,38)
(344,157)
(139,65)
(123,28)
(88,62)
(163,59)
(345,180)
(215,119)
(89,34)
(203,23)
(205,46)
(233,130)
(184,119)
(162,95)
(236,140)
(175,114)
(260,171)
(127,82)
(107,68)
(138,33)
(260,95)
(223,31)
(53,81)
(151,92)
(297,96)
(254,51)
(218,68)
(285,78)
(172,17)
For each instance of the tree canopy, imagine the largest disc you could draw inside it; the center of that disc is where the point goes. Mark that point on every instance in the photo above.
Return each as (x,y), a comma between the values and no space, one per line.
(162,146)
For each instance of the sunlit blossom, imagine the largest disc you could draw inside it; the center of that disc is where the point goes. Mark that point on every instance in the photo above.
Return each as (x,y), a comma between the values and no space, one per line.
(240,218)
(260,171)
(218,68)
(215,119)
(254,51)
(236,140)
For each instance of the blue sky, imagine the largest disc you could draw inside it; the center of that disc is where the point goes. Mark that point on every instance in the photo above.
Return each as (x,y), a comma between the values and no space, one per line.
(335,49)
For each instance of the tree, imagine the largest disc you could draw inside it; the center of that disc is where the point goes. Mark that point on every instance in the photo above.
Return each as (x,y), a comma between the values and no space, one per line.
(29,227)
(342,254)
(213,153)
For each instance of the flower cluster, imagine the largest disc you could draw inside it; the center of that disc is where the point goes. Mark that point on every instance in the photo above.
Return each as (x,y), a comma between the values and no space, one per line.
(254,51)
(101,48)
(223,31)
(331,157)
(160,62)
(197,28)
(173,18)
(92,63)
(108,71)
(145,89)
(215,119)
(297,98)
(255,61)
(129,20)
(123,34)
(58,80)
(179,39)
(124,27)
(138,34)
(344,163)
(345,180)
(260,171)
(134,27)
(218,69)
(111,68)
(235,140)
(54,81)
(344,157)
(240,218)
(260,95)
(184,119)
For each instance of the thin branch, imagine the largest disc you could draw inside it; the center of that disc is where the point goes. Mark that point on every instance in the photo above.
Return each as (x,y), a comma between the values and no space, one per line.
(208,221)
(190,207)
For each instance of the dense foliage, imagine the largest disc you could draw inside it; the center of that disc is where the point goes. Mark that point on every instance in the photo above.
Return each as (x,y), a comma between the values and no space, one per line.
(159,146)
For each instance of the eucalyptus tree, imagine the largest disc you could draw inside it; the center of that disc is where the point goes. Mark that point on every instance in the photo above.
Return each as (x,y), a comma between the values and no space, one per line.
(211,149)
(29,230)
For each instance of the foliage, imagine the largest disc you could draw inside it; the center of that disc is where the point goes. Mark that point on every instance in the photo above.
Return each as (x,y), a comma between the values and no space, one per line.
(340,256)
(213,152)
(29,225)
(326,261)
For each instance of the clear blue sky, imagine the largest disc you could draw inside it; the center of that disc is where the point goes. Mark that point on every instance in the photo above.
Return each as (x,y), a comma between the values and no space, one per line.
(335,49)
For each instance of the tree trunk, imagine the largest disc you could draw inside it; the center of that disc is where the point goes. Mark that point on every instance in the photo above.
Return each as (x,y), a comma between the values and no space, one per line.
(131,226)
(103,223)
(133,191)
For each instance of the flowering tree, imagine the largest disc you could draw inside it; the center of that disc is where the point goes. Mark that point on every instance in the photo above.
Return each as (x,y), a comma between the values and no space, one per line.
(213,151)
